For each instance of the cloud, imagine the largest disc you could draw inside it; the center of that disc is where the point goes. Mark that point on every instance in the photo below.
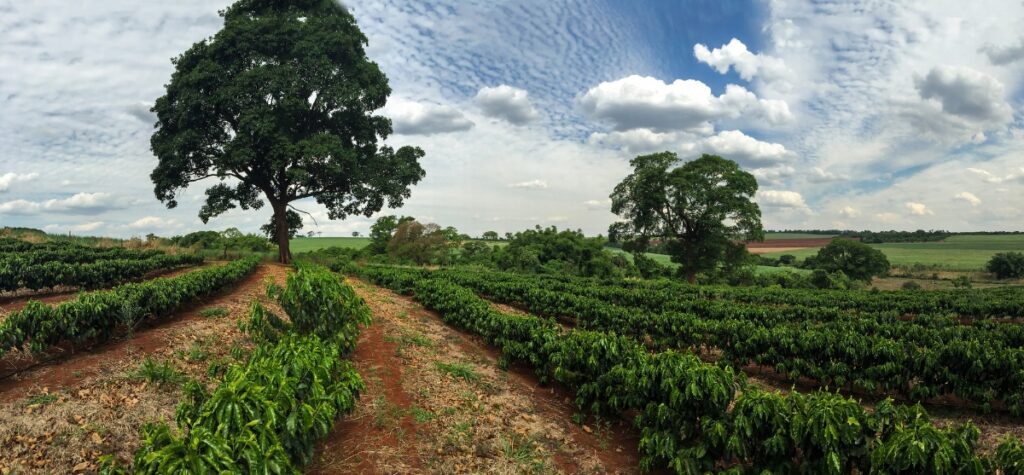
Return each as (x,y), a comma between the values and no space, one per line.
(532,184)
(154,223)
(965,92)
(595,205)
(1001,55)
(636,102)
(918,209)
(745,150)
(75,228)
(79,203)
(643,140)
(968,197)
(415,118)
(819,175)
(506,103)
(736,55)
(8,179)
(849,212)
(989,177)
(782,199)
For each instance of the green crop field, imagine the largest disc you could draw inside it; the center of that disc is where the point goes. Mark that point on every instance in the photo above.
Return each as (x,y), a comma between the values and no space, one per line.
(964,252)
(775,236)
(311,244)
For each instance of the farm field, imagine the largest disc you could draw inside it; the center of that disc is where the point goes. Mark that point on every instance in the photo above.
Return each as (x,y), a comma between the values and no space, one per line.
(960,252)
(314,243)
(649,318)
(459,370)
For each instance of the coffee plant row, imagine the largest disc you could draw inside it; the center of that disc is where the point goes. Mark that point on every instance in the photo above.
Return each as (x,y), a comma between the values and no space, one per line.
(267,413)
(874,352)
(15,275)
(697,417)
(96,316)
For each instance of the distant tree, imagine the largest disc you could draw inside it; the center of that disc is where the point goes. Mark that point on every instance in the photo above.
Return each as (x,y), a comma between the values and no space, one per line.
(857,260)
(490,236)
(280,103)
(698,209)
(419,243)
(355,233)
(381,232)
(1007,265)
(787,259)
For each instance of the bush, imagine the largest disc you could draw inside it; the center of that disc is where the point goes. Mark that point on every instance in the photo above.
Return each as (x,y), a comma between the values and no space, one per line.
(787,259)
(855,259)
(1007,265)
(910,285)
(962,282)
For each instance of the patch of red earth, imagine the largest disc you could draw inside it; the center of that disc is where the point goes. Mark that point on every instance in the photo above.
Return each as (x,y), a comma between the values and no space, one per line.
(618,452)
(350,437)
(21,373)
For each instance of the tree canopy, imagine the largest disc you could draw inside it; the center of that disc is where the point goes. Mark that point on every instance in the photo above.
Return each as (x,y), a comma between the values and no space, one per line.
(279,106)
(698,209)
(855,259)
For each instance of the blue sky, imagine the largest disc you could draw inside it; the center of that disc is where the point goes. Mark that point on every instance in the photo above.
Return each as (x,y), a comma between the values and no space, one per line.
(891,114)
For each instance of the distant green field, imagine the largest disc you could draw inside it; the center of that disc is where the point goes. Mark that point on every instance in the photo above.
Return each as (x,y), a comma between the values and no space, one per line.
(311,244)
(775,236)
(965,252)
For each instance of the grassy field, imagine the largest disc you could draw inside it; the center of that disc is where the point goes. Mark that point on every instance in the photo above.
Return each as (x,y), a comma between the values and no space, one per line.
(775,236)
(311,244)
(966,252)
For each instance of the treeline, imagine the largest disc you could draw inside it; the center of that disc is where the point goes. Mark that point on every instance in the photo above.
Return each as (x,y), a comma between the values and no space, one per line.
(878,237)
(543,250)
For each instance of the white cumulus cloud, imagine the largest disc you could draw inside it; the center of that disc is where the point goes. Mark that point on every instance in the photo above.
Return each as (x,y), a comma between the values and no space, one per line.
(8,179)
(782,199)
(154,223)
(965,92)
(637,102)
(968,197)
(745,150)
(736,55)
(416,118)
(506,102)
(918,209)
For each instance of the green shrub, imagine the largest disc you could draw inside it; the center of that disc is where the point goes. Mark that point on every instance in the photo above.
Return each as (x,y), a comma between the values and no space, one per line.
(1007,265)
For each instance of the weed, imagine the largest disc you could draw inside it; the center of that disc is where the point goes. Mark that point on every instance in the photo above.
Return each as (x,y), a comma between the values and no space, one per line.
(159,372)
(458,370)
(214,312)
(198,352)
(421,415)
(41,399)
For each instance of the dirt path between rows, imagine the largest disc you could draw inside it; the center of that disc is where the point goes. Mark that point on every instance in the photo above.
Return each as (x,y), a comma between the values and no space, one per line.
(436,402)
(59,418)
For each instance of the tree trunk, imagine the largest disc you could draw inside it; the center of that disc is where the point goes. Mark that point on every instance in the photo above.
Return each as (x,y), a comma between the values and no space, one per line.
(284,253)
(691,277)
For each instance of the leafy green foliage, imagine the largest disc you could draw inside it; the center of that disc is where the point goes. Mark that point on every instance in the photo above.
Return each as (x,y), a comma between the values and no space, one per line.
(281,102)
(162,373)
(696,417)
(855,259)
(48,265)
(97,315)
(1007,265)
(268,412)
(697,209)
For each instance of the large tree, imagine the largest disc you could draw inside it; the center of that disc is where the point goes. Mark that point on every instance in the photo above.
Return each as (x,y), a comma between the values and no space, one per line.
(279,105)
(699,209)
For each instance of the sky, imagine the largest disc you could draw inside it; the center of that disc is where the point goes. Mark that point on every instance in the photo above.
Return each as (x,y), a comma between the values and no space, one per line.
(874,115)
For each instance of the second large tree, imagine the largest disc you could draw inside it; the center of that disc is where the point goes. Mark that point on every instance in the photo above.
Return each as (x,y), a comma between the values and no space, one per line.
(701,209)
(279,106)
